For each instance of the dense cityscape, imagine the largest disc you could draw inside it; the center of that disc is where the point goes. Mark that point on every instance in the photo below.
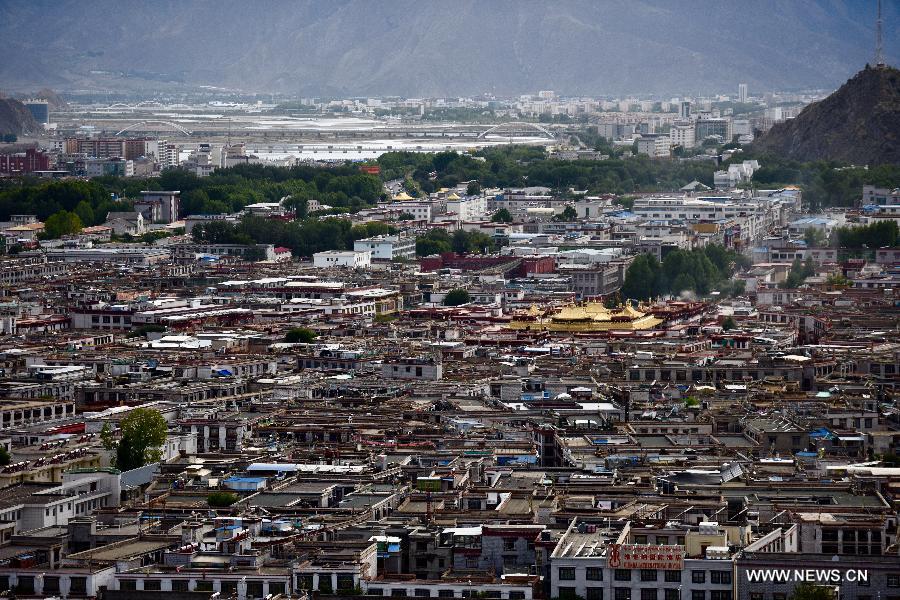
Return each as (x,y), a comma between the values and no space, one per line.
(260,345)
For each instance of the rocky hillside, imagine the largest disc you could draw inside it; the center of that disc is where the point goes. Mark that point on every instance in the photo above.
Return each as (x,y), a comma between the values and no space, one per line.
(55,100)
(15,118)
(858,124)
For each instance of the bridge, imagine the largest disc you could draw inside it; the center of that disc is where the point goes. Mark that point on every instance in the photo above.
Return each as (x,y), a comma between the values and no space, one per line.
(169,124)
(518,129)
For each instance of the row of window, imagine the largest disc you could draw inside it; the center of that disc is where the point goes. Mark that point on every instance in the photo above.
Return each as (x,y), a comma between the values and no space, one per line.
(596,574)
(620,593)
(426,593)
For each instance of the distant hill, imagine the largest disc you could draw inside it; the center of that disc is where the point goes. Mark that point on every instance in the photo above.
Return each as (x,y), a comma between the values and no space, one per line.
(15,118)
(432,48)
(858,124)
(53,99)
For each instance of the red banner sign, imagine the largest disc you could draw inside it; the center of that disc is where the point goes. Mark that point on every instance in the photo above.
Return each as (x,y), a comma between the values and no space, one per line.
(645,556)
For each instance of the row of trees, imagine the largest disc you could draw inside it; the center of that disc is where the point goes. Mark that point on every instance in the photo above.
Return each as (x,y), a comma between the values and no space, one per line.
(230,190)
(824,183)
(89,200)
(531,166)
(225,190)
(699,271)
(876,235)
(438,241)
(304,237)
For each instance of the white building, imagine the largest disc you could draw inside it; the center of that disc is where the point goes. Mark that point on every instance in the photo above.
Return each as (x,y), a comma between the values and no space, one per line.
(654,145)
(683,134)
(353,259)
(387,247)
(468,208)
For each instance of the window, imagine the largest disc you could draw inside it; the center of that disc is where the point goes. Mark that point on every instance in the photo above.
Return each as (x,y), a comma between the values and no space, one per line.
(640,539)
(152,585)
(207,586)
(254,589)
(227,588)
(622,575)
(567,593)
(51,585)
(623,593)
(276,587)
(422,593)
(672,576)
(509,545)
(671,594)
(648,594)
(648,574)
(180,585)
(698,576)
(720,595)
(126,585)
(698,595)
(594,593)
(566,573)
(512,595)
(593,574)
(722,577)
(757,596)
(375,592)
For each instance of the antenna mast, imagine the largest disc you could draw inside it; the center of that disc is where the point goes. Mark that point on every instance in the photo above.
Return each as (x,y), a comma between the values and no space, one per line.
(879,45)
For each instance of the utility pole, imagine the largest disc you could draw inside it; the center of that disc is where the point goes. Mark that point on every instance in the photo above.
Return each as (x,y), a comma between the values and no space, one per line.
(879,44)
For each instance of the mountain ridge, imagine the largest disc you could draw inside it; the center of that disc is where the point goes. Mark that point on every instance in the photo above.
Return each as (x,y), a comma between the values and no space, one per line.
(426,48)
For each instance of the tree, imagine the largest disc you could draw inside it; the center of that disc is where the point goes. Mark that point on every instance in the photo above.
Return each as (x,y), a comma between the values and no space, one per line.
(85,213)
(808,591)
(300,335)
(502,216)
(5,458)
(457,296)
(729,323)
(641,278)
(798,274)
(473,189)
(62,223)
(436,241)
(568,214)
(221,499)
(143,432)
(814,237)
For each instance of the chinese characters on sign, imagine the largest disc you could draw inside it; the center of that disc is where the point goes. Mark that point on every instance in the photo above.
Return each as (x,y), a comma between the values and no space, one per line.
(643,556)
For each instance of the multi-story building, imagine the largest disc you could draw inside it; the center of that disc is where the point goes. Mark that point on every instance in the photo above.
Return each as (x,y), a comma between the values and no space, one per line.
(388,247)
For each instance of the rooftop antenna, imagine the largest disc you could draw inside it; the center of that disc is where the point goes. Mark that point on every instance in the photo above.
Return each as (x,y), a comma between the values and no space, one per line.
(879,45)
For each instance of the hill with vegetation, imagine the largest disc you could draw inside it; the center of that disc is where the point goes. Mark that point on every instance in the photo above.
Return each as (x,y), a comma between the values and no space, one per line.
(858,124)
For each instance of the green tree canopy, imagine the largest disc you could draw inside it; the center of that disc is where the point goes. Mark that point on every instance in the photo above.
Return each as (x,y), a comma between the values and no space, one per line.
(808,591)
(300,335)
(457,296)
(436,241)
(62,223)
(568,214)
(502,216)
(143,432)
